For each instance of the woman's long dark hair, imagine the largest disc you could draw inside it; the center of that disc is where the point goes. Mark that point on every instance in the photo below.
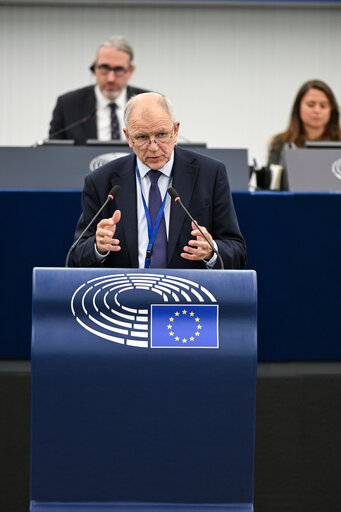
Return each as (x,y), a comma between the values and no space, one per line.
(295,131)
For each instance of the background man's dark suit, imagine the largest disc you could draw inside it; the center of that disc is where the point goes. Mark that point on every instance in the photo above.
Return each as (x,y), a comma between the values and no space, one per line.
(74,106)
(204,189)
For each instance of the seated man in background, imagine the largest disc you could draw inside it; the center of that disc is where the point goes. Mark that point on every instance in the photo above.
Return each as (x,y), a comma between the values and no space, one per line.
(96,111)
(141,227)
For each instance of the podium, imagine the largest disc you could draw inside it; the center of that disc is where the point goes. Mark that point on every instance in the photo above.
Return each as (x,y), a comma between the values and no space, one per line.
(143,390)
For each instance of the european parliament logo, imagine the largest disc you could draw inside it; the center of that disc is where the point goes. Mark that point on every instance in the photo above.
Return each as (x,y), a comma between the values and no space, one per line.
(184,326)
(146,310)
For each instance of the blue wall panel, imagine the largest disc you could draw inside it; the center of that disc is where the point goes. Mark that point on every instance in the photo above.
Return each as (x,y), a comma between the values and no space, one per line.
(293,243)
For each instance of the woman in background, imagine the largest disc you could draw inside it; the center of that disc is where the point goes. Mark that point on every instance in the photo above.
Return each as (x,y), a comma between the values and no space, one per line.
(315,115)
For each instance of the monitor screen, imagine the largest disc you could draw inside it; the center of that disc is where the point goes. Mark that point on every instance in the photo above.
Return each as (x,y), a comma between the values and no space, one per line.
(58,142)
(323,144)
(96,142)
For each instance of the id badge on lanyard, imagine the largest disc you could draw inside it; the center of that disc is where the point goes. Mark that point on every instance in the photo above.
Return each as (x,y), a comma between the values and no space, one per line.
(151,230)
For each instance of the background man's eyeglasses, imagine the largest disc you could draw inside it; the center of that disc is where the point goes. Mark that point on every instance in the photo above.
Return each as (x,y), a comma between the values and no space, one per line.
(104,69)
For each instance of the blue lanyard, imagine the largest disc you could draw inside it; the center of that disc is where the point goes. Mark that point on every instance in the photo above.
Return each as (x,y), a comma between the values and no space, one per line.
(151,231)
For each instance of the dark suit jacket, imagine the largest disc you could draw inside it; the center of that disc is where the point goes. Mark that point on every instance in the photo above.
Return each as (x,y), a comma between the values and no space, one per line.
(203,186)
(74,106)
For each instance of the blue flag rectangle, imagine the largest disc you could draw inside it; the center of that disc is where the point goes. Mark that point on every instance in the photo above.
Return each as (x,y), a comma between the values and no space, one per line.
(184,326)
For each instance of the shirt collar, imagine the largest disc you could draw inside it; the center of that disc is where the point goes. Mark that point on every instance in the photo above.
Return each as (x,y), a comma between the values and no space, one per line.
(166,169)
(103,102)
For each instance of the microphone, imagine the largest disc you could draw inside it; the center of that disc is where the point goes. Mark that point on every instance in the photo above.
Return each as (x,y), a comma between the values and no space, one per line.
(175,196)
(67,127)
(113,193)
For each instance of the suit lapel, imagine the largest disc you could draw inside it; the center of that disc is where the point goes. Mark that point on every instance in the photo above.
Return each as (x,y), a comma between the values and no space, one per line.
(184,178)
(126,202)
(90,127)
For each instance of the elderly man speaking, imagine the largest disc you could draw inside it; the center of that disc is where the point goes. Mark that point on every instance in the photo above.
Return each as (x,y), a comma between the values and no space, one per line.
(142,227)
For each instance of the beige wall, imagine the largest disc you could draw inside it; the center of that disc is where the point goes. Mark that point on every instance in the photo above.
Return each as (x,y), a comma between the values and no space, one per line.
(231,72)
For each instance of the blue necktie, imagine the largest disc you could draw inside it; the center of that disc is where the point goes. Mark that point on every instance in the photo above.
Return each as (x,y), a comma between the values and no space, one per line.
(159,250)
(115,129)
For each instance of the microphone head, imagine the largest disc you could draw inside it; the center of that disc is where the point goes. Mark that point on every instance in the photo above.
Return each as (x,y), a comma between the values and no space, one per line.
(173,193)
(114,191)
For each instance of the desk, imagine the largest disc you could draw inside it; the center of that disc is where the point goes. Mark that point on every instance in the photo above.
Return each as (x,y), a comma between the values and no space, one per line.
(64,168)
(293,243)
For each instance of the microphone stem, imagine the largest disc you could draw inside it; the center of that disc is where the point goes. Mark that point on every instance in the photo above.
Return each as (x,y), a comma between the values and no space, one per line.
(72,125)
(84,119)
(109,198)
(199,228)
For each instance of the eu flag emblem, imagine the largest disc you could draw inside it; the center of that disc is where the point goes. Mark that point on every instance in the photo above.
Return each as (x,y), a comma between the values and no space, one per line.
(184,326)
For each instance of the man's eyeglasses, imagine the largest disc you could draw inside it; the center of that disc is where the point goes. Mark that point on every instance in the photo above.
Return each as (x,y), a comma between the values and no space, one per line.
(104,69)
(144,140)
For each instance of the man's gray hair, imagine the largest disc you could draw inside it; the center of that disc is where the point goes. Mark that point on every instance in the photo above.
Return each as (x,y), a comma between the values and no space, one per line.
(162,99)
(120,43)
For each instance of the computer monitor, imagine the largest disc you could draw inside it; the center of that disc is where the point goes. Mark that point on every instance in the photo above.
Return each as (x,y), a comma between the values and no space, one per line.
(96,142)
(57,142)
(323,144)
(313,170)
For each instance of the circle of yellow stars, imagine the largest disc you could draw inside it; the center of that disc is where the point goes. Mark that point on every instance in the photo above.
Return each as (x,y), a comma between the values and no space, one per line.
(178,314)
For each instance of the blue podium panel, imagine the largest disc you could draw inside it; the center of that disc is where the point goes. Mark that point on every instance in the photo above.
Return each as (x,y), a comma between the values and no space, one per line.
(143,389)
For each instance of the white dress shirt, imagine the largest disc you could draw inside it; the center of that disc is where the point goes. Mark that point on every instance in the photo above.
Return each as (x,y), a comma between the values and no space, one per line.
(164,183)
(103,114)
